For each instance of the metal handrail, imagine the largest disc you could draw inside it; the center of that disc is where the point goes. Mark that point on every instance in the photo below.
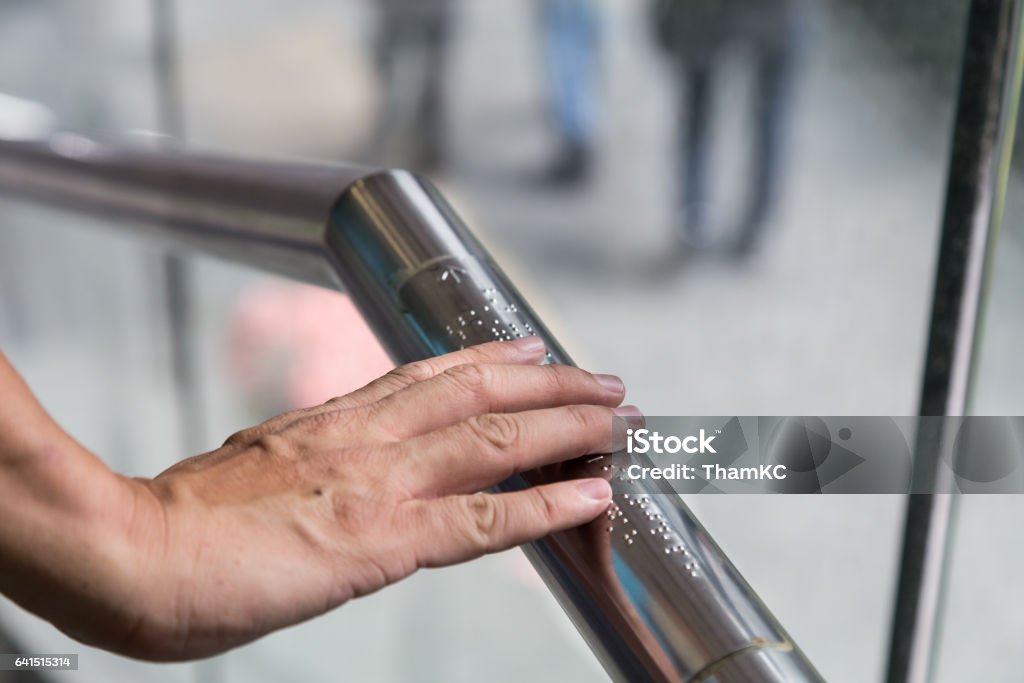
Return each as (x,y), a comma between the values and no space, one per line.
(426,286)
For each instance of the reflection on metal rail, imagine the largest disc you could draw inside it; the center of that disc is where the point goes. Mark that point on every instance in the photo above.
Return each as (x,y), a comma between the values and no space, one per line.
(426,286)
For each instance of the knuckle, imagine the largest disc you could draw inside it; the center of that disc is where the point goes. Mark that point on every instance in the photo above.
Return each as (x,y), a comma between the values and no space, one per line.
(404,376)
(500,431)
(583,418)
(558,378)
(411,373)
(484,519)
(274,446)
(547,506)
(471,378)
(246,436)
(241,438)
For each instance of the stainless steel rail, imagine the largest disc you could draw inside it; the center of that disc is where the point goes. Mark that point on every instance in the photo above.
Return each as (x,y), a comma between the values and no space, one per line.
(663,604)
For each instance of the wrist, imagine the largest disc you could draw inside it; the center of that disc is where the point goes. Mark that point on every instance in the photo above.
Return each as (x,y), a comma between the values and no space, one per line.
(63,551)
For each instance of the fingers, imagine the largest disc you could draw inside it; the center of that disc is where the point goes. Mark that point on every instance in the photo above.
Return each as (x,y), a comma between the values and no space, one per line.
(460,528)
(484,450)
(474,388)
(521,351)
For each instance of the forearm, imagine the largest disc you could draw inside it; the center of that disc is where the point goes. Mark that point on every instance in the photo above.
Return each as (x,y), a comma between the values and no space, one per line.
(62,516)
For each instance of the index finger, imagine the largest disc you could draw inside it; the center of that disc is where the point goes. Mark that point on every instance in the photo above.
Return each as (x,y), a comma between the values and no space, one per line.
(526,351)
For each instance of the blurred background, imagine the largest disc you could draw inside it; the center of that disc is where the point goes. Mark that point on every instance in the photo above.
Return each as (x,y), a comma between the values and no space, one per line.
(734,205)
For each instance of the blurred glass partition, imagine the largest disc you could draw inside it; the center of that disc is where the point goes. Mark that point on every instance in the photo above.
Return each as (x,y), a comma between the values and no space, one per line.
(737,220)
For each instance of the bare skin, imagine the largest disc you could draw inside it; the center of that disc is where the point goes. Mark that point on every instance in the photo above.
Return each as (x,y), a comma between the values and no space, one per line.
(296,516)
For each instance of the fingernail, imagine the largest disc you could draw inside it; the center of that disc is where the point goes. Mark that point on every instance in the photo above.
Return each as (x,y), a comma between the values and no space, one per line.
(532,344)
(631,414)
(595,489)
(612,383)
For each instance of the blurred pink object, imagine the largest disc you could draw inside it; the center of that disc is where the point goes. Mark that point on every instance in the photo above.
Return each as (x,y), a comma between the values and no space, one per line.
(314,341)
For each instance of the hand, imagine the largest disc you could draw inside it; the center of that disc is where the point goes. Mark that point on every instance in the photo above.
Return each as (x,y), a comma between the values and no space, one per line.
(315,507)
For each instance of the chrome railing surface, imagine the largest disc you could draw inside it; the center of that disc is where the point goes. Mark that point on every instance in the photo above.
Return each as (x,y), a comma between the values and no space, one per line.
(664,604)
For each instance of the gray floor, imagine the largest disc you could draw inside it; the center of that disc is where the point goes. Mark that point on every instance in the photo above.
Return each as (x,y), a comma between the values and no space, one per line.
(827,319)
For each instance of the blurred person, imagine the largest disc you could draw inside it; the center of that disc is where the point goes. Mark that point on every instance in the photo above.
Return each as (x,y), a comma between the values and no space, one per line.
(695,35)
(296,516)
(571,33)
(413,35)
